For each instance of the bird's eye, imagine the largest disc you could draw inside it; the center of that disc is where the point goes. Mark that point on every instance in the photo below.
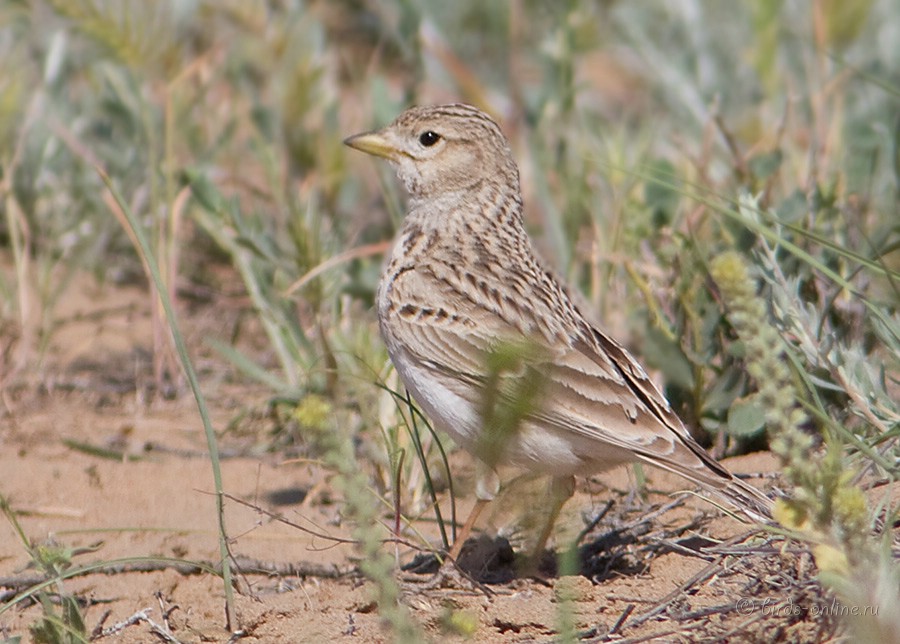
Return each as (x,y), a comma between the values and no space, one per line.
(429,138)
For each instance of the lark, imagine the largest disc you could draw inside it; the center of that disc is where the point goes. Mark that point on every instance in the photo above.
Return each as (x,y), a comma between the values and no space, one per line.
(464,284)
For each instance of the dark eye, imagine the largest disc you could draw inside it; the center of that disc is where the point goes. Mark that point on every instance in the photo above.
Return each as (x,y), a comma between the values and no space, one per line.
(429,138)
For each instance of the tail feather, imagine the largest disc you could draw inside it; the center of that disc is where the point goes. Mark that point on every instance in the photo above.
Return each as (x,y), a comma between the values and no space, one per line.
(723,484)
(751,501)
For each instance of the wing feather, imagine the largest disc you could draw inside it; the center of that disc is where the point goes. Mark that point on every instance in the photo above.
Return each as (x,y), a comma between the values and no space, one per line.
(594,394)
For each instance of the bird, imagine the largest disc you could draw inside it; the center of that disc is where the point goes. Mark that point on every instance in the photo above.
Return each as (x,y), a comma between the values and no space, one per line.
(492,345)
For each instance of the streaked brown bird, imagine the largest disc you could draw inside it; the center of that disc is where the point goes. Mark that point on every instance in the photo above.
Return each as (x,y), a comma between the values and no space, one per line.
(464,285)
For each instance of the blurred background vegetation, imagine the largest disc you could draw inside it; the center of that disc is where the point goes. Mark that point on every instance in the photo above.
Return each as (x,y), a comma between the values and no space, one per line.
(638,128)
(653,138)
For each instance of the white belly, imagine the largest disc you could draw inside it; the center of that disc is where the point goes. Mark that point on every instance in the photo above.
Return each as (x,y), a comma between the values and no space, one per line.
(533,447)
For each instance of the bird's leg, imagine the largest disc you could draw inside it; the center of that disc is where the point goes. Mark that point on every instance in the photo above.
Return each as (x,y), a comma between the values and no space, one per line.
(460,541)
(486,488)
(561,490)
(487,485)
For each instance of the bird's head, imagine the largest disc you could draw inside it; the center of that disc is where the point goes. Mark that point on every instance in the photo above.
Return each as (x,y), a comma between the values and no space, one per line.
(442,148)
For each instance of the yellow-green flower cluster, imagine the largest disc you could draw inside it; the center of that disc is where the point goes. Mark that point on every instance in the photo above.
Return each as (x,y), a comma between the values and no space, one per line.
(766,363)
(823,503)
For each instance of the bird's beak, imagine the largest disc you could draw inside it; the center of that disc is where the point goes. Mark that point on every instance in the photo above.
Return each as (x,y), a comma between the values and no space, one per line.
(372,143)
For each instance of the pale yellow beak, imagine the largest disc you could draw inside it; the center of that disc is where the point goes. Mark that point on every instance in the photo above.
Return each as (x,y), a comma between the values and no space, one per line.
(372,143)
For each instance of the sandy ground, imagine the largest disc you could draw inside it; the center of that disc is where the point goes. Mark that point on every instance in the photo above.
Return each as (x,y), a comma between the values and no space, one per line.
(156,503)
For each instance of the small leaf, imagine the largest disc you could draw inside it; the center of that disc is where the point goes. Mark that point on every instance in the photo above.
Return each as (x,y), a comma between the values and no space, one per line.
(205,191)
(661,192)
(265,121)
(766,164)
(666,355)
(793,208)
(745,418)
(727,387)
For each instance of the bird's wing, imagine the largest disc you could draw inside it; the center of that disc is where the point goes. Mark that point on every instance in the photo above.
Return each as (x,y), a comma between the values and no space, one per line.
(656,433)
(590,386)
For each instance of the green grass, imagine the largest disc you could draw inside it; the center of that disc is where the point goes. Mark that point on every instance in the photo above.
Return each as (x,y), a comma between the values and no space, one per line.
(653,139)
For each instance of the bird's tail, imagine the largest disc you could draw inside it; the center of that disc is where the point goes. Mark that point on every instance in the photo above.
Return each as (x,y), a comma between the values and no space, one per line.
(748,499)
(719,482)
